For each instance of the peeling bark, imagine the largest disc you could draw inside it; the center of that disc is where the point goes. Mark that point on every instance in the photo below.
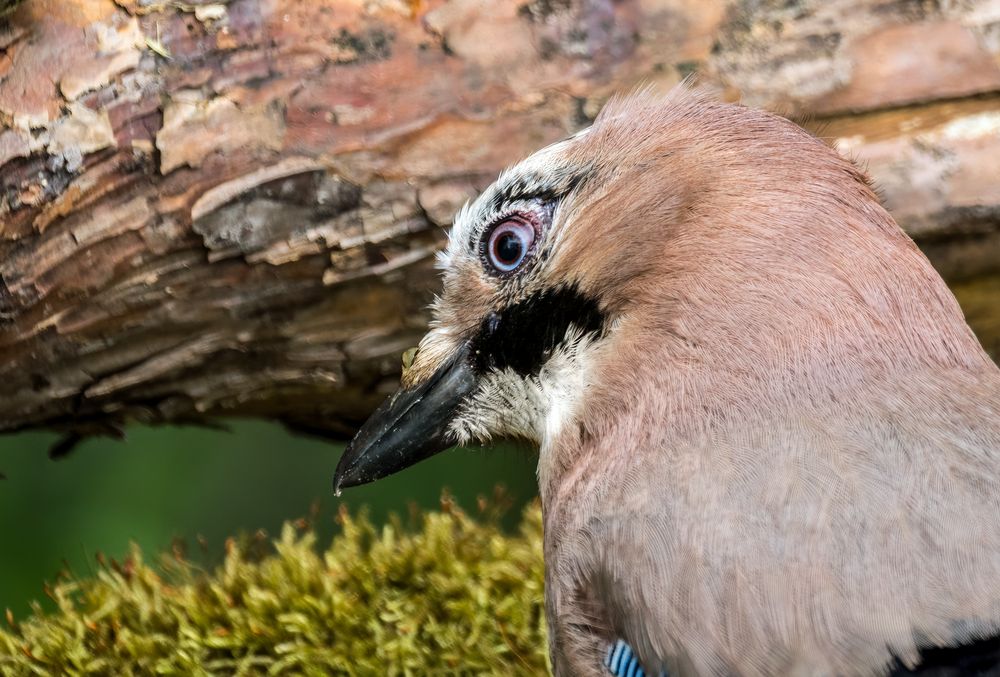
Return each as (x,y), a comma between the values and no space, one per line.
(214,209)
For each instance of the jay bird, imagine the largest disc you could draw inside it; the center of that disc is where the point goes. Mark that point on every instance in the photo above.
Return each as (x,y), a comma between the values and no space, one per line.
(769,444)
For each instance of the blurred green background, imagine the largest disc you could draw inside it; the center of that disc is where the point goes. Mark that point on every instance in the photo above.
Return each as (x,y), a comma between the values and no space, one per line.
(162,483)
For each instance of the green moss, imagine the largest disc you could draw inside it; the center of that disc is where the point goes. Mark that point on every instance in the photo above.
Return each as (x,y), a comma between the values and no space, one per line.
(448,595)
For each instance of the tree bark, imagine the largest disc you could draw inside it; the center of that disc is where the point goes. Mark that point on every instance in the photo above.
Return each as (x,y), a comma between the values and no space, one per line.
(231,208)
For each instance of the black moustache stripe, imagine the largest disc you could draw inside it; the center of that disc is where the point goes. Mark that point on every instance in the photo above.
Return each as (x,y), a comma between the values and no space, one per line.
(524,335)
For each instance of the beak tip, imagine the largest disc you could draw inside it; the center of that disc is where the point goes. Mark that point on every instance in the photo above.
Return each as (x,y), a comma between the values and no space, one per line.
(352,469)
(408,427)
(342,477)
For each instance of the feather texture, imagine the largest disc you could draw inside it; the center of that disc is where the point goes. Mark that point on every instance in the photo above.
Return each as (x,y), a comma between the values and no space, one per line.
(621,661)
(780,456)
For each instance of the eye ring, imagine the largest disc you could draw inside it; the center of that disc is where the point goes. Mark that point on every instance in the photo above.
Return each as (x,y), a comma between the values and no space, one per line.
(508,244)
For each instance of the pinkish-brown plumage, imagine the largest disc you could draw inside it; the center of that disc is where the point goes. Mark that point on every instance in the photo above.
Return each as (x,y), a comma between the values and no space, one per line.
(781,452)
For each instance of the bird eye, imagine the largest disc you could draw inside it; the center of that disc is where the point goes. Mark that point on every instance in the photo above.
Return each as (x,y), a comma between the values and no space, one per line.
(508,244)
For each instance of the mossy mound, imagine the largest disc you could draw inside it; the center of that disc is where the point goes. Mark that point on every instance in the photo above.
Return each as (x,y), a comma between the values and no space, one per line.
(449,595)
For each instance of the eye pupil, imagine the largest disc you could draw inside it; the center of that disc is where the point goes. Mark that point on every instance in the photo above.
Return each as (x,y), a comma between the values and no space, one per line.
(508,248)
(507,245)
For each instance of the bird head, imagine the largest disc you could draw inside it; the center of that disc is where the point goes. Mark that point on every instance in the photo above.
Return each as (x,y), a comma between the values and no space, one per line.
(681,253)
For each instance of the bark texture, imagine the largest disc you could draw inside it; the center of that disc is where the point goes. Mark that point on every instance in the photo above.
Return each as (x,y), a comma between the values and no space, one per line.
(213,209)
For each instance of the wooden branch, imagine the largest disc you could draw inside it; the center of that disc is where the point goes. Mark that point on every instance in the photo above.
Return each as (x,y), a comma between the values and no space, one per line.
(231,208)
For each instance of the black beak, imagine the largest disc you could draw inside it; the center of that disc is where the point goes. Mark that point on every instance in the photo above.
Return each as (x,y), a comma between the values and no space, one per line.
(409,426)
